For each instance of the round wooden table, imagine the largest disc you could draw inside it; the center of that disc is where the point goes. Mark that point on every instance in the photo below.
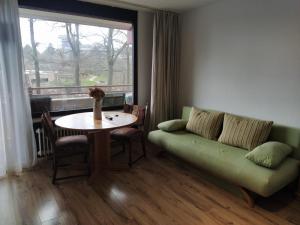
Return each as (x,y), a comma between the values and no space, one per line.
(100,131)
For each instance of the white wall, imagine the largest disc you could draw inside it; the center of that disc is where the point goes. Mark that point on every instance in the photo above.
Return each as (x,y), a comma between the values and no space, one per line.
(243,56)
(145,28)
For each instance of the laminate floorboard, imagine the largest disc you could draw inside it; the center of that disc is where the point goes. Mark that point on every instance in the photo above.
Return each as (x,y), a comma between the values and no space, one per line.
(158,190)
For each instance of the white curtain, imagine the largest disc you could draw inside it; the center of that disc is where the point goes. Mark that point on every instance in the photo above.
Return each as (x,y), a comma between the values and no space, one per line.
(17,145)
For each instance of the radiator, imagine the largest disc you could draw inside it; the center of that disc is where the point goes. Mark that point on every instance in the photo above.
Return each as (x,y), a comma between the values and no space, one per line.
(43,144)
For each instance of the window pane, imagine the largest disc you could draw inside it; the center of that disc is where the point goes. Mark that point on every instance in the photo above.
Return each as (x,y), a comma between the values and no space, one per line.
(63,59)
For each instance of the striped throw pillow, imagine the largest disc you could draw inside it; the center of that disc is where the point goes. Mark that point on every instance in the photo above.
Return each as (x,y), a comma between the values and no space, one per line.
(206,124)
(244,132)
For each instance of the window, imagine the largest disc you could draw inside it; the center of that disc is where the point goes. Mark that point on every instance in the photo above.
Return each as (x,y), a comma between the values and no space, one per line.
(65,55)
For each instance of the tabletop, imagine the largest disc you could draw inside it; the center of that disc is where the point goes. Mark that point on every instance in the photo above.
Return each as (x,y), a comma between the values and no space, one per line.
(85,121)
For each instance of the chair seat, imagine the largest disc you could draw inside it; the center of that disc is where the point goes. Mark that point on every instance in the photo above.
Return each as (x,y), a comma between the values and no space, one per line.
(125,133)
(69,141)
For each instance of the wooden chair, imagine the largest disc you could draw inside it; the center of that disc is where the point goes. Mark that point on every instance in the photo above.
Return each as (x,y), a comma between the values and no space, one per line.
(65,147)
(127,135)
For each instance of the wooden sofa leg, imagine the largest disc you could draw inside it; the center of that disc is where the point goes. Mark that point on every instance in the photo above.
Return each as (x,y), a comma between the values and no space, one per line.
(248,196)
(293,187)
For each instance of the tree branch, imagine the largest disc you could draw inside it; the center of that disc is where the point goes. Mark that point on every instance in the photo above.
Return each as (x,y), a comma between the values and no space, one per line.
(119,52)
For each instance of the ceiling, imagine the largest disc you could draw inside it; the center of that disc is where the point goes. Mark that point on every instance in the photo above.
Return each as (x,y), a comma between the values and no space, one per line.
(172,5)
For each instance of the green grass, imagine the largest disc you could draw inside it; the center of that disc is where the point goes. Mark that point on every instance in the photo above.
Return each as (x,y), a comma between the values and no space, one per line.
(88,83)
(59,83)
(90,80)
(94,80)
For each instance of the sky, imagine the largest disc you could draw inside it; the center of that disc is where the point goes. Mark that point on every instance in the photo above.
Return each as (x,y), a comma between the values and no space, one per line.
(47,32)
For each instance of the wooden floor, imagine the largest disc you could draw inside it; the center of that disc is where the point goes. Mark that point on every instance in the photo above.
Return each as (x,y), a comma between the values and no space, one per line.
(158,190)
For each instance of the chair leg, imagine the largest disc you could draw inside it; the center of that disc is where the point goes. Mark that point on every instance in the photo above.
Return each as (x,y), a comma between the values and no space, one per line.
(54,174)
(123,147)
(88,163)
(143,145)
(54,168)
(53,162)
(86,157)
(130,154)
(89,169)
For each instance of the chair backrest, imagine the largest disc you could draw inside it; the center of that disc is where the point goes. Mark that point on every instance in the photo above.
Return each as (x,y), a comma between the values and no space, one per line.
(139,111)
(48,127)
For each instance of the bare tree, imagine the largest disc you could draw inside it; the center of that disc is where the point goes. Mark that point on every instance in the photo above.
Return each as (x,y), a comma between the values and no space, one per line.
(128,64)
(35,55)
(73,40)
(112,53)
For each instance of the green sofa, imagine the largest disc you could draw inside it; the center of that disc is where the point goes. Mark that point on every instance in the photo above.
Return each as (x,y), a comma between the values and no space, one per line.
(229,162)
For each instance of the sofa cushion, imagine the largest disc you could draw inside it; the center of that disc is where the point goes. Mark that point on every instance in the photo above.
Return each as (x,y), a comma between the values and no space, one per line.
(244,132)
(227,162)
(284,134)
(75,140)
(205,123)
(125,133)
(172,125)
(269,154)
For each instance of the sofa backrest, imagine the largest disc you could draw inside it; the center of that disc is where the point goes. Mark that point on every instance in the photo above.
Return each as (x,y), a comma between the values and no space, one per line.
(284,134)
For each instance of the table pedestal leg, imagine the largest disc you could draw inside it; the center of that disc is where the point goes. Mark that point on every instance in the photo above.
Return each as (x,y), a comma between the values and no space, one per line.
(100,153)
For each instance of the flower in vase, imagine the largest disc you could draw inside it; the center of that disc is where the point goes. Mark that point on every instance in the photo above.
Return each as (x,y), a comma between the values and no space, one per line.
(96,93)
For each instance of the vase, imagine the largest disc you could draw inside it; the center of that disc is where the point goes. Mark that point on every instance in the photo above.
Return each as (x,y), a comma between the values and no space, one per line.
(97,109)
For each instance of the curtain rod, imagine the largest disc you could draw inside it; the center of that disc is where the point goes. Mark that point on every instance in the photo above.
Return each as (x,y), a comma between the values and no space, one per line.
(119,3)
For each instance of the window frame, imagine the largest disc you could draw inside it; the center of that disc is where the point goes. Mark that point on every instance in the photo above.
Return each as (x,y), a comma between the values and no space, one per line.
(93,10)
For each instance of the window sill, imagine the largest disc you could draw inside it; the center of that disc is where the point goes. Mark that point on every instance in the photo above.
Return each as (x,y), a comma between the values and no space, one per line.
(36,116)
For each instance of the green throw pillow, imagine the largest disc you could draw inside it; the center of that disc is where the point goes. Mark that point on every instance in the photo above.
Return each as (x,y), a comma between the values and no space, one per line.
(269,154)
(172,125)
